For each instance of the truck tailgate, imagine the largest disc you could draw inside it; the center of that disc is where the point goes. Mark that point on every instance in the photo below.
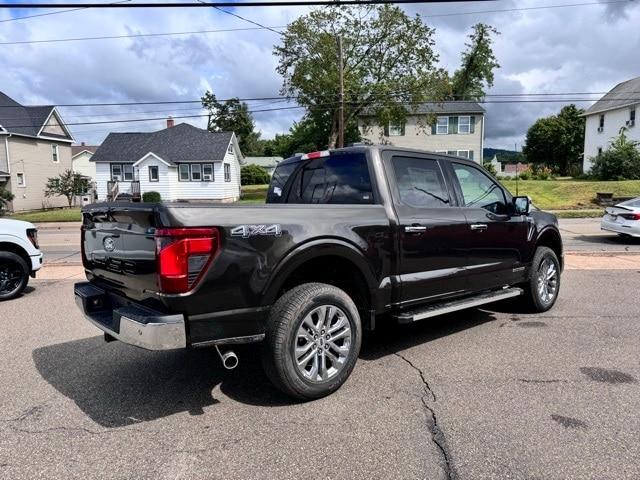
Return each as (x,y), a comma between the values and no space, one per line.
(118,248)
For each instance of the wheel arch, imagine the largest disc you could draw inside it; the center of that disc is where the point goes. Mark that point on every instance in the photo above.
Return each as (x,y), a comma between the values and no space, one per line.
(331,261)
(550,238)
(17,249)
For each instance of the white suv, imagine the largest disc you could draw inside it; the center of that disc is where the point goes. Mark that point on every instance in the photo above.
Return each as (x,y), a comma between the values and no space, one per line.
(19,256)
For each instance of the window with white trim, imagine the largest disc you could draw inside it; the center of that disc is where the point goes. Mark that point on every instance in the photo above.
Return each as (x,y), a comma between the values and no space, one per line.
(230,149)
(601,124)
(227,172)
(154,175)
(184,172)
(122,172)
(20,180)
(54,153)
(464,124)
(442,126)
(196,172)
(207,172)
(396,129)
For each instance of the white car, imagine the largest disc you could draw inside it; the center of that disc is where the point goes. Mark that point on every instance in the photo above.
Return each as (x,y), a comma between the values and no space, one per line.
(623,218)
(20,256)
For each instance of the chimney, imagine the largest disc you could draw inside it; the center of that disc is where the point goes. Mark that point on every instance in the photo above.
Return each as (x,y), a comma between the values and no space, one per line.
(170,122)
(82,144)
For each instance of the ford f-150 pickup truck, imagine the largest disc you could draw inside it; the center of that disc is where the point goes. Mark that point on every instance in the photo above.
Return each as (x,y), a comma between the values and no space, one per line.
(348,238)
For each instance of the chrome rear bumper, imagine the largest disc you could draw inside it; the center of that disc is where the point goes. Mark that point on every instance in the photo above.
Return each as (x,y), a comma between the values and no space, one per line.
(129,322)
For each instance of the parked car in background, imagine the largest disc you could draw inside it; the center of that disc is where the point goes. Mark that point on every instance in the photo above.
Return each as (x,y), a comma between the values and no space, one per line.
(623,218)
(349,238)
(20,256)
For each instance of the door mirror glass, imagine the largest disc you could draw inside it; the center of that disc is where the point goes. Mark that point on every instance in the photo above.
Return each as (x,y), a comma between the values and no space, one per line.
(522,205)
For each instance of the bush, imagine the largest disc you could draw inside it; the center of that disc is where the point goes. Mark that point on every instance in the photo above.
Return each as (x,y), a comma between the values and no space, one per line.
(621,161)
(151,197)
(5,197)
(490,167)
(253,175)
(526,175)
(541,172)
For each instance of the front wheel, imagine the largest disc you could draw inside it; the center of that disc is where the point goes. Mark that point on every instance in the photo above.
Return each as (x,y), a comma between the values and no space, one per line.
(544,281)
(14,275)
(313,340)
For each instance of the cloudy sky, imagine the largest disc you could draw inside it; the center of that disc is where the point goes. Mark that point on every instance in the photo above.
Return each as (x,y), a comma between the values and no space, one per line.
(585,48)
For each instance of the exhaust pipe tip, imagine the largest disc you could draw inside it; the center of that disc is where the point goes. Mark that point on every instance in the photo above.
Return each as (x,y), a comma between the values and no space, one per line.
(229,359)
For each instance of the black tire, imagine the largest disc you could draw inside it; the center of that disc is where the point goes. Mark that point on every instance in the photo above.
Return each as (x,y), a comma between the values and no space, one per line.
(14,275)
(535,299)
(285,320)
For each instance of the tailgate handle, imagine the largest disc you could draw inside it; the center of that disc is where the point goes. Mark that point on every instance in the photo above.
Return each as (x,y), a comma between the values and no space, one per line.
(415,229)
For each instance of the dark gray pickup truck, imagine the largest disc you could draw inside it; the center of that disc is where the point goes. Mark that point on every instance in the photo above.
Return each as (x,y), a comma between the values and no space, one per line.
(347,238)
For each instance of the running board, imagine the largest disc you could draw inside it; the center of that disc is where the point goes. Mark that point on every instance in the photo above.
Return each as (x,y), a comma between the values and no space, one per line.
(455,305)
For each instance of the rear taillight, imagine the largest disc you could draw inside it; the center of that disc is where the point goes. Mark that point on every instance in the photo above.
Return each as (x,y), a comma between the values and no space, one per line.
(85,260)
(32,235)
(630,216)
(183,255)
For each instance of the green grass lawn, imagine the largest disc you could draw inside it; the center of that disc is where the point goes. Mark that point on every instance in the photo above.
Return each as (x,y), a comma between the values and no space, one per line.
(54,215)
(571,194)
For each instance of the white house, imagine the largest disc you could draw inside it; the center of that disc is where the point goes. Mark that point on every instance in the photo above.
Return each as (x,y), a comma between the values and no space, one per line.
(607,116)
(181,162)
(457,129)
(81,160)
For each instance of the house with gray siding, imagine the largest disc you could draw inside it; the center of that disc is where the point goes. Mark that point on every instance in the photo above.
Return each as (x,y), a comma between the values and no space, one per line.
(35,145)
(455,128)
(180,162)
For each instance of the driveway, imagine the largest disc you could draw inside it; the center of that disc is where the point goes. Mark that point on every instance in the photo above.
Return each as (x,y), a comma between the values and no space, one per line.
(479,394)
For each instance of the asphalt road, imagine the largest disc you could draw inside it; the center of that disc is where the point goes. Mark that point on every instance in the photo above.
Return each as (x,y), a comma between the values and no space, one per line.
(480,394)
(60,242)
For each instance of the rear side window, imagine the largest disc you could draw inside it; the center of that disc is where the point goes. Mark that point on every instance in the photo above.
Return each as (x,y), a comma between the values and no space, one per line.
(281,175)
(341,178)
(420,182)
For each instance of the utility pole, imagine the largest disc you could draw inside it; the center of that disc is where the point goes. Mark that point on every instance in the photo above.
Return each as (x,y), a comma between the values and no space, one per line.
(341,104)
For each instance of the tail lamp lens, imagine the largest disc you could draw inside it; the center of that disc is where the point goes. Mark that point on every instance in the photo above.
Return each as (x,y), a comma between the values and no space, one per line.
(183,255)
(630,216)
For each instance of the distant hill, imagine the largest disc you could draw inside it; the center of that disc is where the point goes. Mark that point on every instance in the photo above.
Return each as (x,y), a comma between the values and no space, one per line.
(507,156)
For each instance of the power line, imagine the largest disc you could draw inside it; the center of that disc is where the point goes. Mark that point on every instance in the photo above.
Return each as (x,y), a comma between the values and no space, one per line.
(251,3)
(137,35)
(50,13)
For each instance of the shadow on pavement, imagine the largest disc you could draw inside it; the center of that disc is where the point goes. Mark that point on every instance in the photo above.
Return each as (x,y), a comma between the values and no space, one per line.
(389,338)
(118,385)
(610,239)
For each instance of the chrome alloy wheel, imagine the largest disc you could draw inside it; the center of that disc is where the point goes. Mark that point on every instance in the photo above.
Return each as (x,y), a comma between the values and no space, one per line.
(547,280)
(323,342)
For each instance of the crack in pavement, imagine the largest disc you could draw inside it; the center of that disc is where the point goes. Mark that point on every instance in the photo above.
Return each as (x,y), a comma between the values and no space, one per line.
(437,435)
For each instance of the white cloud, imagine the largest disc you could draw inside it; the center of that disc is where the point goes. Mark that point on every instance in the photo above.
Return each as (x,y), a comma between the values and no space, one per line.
(577,49)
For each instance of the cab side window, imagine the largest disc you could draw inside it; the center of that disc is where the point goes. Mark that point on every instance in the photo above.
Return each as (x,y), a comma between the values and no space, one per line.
(420,182)
(478,190)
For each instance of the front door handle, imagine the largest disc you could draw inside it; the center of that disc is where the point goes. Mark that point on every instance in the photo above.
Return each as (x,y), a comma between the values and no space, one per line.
(415,229)
(479,226)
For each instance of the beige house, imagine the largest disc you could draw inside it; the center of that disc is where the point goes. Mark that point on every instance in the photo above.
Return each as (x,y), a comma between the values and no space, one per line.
(457,129)
(34,146)
(81,160)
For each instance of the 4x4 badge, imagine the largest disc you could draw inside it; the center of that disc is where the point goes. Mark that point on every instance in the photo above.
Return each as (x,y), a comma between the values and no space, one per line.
(246,231)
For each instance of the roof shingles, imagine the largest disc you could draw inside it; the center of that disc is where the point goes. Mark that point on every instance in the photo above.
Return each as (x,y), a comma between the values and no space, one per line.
(182,143)
(21,120)
(622,95)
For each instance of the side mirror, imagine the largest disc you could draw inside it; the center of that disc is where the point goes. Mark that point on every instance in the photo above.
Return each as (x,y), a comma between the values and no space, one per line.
(521,205)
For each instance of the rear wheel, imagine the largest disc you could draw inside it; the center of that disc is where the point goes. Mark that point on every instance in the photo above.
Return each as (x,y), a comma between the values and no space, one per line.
(544,282)
(14,275)
(313,341)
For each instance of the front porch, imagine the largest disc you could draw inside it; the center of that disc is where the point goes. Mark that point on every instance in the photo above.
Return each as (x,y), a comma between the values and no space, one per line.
(123,191)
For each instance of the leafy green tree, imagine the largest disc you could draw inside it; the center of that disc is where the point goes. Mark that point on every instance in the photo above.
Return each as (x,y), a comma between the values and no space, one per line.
(478,64)
(557,141)
(67,184)
(390,66)
(490,167)
(620,161)
(233,116)
(254,175)
(5,197)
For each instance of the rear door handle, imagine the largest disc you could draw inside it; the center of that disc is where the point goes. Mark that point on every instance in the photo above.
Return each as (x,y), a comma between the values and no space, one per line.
(415,229)
(479,226)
